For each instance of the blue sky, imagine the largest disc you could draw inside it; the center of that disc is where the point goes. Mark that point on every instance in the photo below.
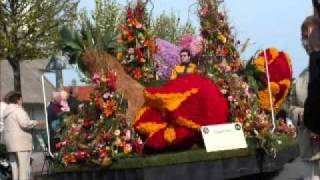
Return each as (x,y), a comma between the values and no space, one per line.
(272,23)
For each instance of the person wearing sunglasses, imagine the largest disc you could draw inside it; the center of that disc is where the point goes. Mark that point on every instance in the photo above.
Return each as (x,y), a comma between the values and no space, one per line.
(185,67)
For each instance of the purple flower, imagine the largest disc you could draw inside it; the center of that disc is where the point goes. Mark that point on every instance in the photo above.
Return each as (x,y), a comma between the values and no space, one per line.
(166,58)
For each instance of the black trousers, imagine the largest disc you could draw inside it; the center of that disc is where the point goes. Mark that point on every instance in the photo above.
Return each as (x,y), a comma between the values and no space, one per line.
(311,116)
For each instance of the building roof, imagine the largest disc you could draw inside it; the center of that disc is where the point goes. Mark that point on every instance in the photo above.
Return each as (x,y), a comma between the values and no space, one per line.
(31,86)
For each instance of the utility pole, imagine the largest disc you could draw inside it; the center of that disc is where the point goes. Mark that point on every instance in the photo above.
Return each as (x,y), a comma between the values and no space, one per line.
(59,76)
(56,65)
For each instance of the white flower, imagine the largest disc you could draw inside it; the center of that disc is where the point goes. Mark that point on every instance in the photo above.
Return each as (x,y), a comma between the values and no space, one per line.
(223,91)
(117,132)
(107,95)
(28,45)
(127,135)
(81,121)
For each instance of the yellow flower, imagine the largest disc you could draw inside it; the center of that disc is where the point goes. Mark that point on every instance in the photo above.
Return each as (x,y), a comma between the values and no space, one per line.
(169,101)
(274,52)
(119,55)
(127,148)
(148,128)
(170,135)
(187,123)
(222,38)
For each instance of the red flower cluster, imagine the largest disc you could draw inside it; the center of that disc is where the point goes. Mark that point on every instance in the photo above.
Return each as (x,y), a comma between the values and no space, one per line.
(97,134)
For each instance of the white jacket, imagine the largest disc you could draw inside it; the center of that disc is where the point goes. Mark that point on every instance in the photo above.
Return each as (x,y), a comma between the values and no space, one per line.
(3,106)
(17,129)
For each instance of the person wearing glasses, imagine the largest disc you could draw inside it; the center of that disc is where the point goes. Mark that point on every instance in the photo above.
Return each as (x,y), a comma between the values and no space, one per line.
(185,67)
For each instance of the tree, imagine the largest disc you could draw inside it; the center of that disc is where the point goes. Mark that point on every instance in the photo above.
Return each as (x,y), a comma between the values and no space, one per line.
(103,24)
(98,30)
(30,29)
(170,28)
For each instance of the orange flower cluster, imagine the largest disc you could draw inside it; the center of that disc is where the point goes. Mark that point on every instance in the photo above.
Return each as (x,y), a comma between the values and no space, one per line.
(69,158)
(109,108)
(138,46)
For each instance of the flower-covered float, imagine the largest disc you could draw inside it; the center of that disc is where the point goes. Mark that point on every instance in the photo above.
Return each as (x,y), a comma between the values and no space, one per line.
(135,112)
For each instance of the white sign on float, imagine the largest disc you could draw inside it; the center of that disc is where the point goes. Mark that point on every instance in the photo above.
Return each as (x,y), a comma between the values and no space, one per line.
(223,137)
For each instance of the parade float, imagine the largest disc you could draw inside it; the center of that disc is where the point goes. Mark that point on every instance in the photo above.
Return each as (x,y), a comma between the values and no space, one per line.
(139,123)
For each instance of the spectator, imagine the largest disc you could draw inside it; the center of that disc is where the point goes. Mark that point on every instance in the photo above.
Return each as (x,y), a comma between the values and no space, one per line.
(56,106)
(3,106)
(308,149)
(310,32)
(72,100)
(17,136)
(53,109)
(185,67)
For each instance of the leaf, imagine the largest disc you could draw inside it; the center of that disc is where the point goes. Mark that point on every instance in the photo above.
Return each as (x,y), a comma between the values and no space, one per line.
(73,45)
(79,40)
(66,34)
(89,38)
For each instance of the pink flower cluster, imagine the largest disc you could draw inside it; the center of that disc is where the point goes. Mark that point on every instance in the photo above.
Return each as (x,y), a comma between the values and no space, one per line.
(194,43)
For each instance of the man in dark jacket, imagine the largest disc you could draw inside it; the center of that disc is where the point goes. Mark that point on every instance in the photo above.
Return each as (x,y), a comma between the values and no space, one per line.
(53,109)
(73,101)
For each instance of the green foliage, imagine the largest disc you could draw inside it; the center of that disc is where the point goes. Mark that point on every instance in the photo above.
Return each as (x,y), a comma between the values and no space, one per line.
(72,44)
(170,28)
(102,26)
(30,28)
(253,76)
(98,30)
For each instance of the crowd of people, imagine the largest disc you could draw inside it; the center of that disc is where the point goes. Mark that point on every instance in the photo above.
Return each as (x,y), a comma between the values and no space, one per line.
(16,127)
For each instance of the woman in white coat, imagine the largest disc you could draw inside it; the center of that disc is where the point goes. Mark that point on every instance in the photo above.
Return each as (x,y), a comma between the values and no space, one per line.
(17,136)
(3,106)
